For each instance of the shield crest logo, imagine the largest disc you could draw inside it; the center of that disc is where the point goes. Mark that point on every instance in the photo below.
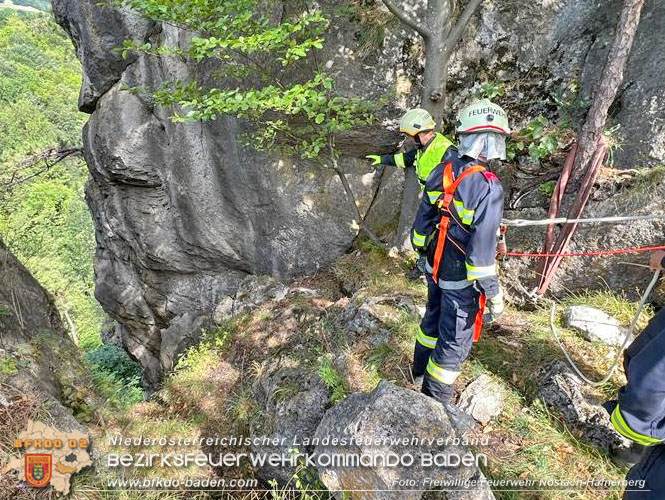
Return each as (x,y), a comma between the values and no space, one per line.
(38,469)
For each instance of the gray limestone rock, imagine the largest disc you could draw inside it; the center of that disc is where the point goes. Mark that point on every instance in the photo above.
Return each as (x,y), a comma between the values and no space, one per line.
(34,346)
(594,325)
(252,292)
(294,403)
(369,422)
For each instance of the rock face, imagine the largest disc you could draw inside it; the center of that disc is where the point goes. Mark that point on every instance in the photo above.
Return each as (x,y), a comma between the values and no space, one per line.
(562,45)
(37,358)
(594,325)
(252,291)
(390,412)
(562,391)
(183,212)
(564,42)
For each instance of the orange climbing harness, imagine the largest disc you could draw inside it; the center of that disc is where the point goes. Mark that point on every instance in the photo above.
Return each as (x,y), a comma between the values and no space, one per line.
(449,187)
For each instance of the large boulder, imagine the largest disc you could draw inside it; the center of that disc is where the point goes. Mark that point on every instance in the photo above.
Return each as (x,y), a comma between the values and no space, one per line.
(483,399)
(393,422)
(294,402)
(183,211)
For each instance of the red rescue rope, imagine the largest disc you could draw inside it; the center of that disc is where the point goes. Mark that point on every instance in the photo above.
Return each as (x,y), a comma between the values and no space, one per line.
(585,254)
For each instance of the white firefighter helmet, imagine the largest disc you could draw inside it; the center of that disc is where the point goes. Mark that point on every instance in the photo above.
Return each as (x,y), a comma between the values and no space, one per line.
(483,116)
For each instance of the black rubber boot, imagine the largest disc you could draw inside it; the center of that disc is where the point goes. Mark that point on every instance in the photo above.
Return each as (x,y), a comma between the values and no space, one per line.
(462,422)
(628,457)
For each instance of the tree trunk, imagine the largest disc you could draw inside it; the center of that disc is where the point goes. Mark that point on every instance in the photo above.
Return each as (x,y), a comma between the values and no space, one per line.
(435,78)
(433,99)
(607,89)
(440,36)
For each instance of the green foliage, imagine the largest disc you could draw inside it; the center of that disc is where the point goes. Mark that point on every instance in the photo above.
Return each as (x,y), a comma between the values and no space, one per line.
(540,138)
(305,481)
(39,82)
(116,376)
(197,357)
(242,408)
(614,142)
(490,90)
(113,359)
(569,103)
(332,380)
(48,227)
(268,77)
(46,222)
(547,188)
(8,366)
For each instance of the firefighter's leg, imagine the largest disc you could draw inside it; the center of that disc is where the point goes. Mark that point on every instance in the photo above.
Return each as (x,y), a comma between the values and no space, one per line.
(456,326)
(428,332)
(647,476)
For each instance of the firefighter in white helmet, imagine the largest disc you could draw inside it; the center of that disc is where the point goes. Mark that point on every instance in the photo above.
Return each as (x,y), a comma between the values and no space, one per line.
(456,227)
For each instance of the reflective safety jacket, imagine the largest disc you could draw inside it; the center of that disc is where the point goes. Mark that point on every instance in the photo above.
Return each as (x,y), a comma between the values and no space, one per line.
(424,159)
(470,250)
(640,414)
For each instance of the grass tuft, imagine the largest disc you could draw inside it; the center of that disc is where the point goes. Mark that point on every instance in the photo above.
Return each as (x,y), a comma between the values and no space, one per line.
(332,380)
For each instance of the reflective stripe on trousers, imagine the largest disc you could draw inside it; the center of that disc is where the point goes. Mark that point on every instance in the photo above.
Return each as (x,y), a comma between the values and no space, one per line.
(450,319)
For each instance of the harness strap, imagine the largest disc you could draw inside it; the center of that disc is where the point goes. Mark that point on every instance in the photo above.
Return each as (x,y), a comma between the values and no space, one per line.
(449,187)
(478,326)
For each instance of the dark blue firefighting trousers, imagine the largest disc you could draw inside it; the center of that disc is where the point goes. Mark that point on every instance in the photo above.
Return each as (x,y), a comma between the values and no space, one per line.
(651,470)
(445,338)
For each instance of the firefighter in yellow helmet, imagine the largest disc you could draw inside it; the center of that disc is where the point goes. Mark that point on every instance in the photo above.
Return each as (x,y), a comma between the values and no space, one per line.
(432,146)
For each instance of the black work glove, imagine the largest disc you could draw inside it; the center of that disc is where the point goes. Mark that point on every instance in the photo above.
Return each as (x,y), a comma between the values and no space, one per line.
(418,267)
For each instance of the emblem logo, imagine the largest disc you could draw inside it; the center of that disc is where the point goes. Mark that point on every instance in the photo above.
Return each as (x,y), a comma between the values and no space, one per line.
(38,469)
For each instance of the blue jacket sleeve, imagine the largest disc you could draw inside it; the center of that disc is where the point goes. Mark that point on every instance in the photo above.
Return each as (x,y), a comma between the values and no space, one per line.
(428,215)
(400,160)
(483,207)
(640,414)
